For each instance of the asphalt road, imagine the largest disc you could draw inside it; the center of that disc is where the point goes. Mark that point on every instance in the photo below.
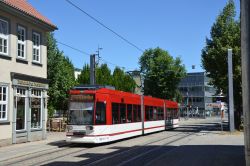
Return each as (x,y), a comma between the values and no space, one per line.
(194,143)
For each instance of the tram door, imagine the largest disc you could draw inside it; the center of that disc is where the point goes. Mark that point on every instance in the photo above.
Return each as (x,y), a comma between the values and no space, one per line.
(169,117)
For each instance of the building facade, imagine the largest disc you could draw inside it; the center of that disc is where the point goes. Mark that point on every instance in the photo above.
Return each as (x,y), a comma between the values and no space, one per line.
(77,72)
(23,72)
(197,93)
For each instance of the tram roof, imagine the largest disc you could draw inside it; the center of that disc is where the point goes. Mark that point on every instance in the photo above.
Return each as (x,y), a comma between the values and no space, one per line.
(104,89)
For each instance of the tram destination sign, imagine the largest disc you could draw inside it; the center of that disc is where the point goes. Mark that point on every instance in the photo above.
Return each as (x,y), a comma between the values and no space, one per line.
(82,97)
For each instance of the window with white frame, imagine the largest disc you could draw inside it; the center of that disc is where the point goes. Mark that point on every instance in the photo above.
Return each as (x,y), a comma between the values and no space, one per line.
(4,28)
(36,109)
(21,42)
(36,47)
(3,102)
(20,105)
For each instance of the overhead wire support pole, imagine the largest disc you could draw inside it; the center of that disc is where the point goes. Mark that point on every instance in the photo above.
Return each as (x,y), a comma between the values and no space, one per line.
(92,69)
(135,72)
(245,63)
(230,91)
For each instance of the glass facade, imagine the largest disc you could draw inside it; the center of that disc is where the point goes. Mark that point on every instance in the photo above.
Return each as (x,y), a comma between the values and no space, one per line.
(196,90)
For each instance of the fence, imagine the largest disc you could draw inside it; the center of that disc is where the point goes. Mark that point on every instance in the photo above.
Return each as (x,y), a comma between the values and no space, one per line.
(56,124)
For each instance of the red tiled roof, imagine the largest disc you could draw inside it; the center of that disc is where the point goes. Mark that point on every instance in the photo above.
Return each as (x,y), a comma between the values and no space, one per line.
(25,7)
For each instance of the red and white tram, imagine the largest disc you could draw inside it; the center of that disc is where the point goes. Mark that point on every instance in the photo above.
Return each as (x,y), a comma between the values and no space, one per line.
(101,115)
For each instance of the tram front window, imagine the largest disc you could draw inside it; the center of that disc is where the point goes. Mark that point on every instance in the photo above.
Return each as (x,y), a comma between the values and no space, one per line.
(81,113)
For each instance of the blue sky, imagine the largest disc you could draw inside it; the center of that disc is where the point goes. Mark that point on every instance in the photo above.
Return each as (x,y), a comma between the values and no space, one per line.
(178,26)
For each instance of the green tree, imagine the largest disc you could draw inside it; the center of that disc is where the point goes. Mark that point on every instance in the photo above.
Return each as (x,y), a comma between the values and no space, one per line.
(162,73)
(60,72)
(84,77)
(119,79)
(225,33)
(103,75)
(122,81)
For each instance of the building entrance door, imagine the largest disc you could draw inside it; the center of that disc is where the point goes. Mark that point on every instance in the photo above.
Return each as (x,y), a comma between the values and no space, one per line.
(20,110)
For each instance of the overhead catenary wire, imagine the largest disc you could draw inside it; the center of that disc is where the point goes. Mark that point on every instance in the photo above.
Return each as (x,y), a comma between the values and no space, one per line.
(73,48)
(85,53)
(105,26)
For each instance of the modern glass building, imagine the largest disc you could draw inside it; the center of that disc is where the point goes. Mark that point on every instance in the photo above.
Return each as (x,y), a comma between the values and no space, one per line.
(197,93)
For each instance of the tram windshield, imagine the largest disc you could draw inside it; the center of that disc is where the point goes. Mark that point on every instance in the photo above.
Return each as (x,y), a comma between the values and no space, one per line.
(80,111)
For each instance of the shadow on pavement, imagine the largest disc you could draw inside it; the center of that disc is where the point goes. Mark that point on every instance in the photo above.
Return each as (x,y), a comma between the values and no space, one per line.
(189,155)
(203,127)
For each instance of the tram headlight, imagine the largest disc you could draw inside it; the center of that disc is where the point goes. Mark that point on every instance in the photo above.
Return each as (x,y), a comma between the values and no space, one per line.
(69,128)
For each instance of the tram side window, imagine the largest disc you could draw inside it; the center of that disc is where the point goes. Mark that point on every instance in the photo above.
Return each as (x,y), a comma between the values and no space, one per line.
(100,113)
(151,113)
(169,114)
(115,113)
(122,113)
(160,113)
(147,112)
(129,113)
(139,113)
(136,113)
(154,113)
(175,113)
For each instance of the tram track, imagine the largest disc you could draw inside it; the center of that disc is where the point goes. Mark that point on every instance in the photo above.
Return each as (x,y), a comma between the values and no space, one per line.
(32,155)
(144,153)
(109,147)
(63,152)
(96,162)
(38,153)
(48,157)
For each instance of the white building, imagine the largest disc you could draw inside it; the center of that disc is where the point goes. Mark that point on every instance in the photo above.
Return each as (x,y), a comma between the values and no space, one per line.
(23,72)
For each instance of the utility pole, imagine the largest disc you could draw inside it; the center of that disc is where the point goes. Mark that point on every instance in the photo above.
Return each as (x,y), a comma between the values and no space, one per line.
(138,73)
(230,91)
(187,116)
(245,59)
(93,64)
(92,69)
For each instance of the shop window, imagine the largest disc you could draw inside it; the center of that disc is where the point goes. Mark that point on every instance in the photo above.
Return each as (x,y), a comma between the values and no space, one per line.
(100,113)
(123,113)
(4,35)
(115,113)
(36,108)
(20,113)
(20,109)
(129,113)
(3,102)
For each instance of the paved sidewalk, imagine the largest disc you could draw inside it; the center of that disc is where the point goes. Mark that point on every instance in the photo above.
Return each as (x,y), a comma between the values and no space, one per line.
(54,140)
